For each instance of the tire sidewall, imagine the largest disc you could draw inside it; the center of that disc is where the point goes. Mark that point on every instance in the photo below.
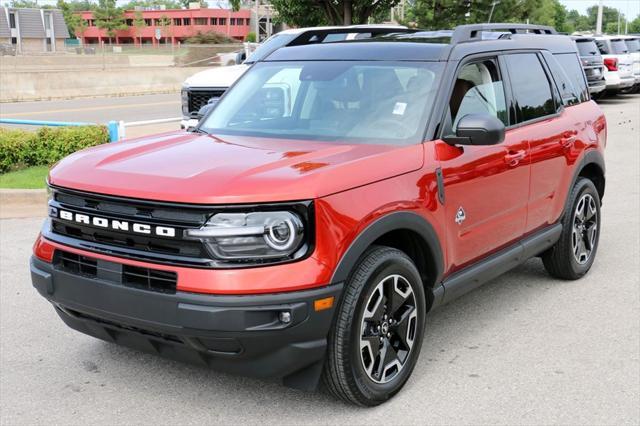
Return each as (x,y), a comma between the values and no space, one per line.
(583,186)
(387,266)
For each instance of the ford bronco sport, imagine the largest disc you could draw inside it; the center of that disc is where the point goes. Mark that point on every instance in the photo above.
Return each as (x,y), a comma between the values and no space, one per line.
(335,195)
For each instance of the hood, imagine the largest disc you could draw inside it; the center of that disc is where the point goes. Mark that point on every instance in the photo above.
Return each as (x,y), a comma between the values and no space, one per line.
(202,169)
(217,77)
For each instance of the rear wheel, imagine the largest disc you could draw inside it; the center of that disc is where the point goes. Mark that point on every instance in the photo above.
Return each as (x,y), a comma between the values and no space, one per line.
(376,338)
(572,256)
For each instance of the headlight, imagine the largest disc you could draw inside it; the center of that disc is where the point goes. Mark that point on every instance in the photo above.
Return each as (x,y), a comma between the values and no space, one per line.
(184,96)
(253,237)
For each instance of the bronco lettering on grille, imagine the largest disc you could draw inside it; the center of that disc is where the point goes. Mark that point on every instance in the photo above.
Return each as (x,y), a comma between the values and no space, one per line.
(117,225)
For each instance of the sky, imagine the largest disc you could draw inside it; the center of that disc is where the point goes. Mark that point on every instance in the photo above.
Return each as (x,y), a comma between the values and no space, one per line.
(630,8)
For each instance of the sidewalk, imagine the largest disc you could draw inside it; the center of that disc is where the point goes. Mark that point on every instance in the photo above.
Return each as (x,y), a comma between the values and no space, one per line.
(22,203)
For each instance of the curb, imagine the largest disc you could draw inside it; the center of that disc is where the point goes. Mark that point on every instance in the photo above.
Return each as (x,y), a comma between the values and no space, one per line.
(21,203)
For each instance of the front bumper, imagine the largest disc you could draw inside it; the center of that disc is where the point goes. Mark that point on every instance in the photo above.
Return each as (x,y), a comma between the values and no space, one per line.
(235,334)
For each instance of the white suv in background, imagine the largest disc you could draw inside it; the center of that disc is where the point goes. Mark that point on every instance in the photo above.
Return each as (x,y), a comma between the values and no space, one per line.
(633,45)
(618,72)
(201,87)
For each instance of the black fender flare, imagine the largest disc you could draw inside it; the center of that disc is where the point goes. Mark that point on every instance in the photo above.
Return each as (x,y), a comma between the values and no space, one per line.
(592,156)
(401,220)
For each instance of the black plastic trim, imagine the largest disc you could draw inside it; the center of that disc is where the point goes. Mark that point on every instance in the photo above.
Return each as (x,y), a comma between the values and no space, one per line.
(238,334)
(497,264)
(440,183)
(392,222)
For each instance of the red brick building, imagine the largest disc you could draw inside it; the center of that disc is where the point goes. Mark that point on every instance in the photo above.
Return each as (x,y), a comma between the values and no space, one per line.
(182,24)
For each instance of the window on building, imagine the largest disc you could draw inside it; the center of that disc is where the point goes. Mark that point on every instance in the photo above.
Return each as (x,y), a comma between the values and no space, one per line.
(147,22)
(14,40)
(222,21)
(129,22)
(214,21)
(47,21)
(12,20)
(156,22)
(177,22)
(200,21)
(232,21)
(186,21)
(530,86)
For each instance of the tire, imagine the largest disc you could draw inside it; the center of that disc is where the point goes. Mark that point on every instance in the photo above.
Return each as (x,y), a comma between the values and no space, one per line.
(383,278)
(573,255)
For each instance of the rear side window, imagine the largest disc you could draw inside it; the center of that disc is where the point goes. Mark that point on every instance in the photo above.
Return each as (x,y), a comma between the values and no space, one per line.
(619,47)
(587,48)
(530,85)
(569,78)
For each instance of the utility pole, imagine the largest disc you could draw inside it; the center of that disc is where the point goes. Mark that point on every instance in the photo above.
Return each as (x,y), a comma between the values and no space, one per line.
(618,21)
(493,6)
(599,19)
(257,21)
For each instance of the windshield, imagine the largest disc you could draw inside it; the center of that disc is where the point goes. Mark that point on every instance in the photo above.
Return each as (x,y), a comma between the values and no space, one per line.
(274,42)
(633,44)
(356,102)
(587,48)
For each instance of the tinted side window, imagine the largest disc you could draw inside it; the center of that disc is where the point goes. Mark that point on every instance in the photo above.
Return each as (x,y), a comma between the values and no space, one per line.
(569,77)
(603,46)
(531,88)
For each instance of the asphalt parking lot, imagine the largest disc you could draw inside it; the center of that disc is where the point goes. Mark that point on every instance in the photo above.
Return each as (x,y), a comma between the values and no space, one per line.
(523,349)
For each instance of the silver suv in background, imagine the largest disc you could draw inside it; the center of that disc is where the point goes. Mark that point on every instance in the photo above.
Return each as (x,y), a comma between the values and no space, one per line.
(618,71)
(633,45)
(592,63)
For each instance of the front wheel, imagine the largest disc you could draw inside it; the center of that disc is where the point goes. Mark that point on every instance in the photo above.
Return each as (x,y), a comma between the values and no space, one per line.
(572,256)
(376,337)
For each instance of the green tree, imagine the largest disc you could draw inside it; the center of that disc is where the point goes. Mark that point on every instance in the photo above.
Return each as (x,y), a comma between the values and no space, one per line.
(165,26)
(139,24)
(634,26)
(609,18)
(331,12)
(109,17)
(74,21)
(168,4)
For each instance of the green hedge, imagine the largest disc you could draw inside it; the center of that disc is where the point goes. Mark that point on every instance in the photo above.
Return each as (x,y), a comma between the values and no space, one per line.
(21,148)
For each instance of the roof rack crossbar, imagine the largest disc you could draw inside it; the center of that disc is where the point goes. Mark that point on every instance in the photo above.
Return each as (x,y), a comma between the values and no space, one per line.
(464,33)
(374,30)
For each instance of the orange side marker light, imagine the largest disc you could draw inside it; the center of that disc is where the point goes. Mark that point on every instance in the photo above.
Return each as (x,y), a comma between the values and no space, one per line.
(323,304)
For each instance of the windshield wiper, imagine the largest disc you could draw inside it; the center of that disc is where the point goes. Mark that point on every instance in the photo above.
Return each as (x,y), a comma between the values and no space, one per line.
(197,130)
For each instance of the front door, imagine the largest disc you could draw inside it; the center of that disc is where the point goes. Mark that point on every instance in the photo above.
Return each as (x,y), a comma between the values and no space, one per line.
(486,187)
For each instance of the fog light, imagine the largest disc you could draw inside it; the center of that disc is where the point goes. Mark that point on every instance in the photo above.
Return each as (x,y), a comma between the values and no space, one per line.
(285,317)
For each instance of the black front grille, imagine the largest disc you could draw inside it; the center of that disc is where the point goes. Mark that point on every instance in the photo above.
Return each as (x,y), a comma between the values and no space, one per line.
(125,242)
(199,98)
(126,275)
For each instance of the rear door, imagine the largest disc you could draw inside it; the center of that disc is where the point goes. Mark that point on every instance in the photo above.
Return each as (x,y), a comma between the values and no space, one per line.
(542,122)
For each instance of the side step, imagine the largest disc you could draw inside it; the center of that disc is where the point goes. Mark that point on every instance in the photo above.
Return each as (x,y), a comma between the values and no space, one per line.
(495,265)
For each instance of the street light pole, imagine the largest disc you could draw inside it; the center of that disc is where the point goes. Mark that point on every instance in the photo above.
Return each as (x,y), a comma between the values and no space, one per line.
(599,19)
(493,6)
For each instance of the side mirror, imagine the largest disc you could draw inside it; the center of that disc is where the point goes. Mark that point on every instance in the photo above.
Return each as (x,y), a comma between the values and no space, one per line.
(204,110)
(241,57)
(477,129)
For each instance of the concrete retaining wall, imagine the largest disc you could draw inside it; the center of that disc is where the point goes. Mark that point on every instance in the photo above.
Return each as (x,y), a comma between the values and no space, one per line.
(32,85)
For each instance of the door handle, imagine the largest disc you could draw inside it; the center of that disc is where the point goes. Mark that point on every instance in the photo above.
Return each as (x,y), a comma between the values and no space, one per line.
(567,141)
(513,158)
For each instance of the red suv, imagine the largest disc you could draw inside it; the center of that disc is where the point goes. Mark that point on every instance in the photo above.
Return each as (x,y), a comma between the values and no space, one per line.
(334,195)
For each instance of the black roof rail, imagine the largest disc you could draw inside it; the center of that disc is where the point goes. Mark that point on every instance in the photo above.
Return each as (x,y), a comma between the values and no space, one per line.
(472,32)
(375,30)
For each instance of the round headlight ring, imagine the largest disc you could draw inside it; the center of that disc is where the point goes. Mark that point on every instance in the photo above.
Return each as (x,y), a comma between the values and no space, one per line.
(277,243)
